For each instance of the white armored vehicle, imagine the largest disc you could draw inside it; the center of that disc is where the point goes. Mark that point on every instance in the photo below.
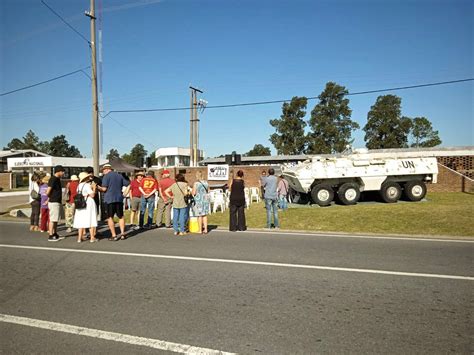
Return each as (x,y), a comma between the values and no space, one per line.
(392,172)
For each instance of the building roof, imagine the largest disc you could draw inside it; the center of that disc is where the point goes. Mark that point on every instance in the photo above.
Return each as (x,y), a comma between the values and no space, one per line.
(12,152)
(279,159)
(259,159)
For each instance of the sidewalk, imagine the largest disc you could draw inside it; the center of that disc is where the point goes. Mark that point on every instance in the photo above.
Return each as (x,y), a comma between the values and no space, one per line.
(12,199)
(13,193)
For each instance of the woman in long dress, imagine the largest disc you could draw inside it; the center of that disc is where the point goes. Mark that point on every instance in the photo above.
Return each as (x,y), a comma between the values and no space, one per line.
(202,202)
(237,204)
(86,217)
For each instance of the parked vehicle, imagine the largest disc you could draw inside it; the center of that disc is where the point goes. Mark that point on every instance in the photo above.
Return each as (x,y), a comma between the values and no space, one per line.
(345,176)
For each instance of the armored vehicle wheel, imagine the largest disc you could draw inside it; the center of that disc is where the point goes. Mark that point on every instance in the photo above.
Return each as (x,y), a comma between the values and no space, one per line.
(349,193)
(322,194)
(414,190)
(390,192)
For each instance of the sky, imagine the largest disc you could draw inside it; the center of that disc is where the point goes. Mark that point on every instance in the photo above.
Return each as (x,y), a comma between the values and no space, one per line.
(236,52)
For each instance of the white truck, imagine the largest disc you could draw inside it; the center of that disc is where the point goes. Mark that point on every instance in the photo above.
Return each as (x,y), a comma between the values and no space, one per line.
(391,172)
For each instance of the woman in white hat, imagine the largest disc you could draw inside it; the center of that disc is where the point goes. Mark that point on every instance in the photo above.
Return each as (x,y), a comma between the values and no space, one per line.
(71,191)
(86,217)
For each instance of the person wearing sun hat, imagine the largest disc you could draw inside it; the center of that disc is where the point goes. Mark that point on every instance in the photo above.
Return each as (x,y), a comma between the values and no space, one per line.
(98,198)
(112,185)
(86,217)
(135,198)
(71,190)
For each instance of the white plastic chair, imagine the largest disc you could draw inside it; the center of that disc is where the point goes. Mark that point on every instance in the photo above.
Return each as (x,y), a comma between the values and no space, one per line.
(247,197)
(219,201)
(227,198)
(254,194)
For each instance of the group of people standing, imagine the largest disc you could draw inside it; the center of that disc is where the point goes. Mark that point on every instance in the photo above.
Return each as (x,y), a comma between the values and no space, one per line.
(174,195)
(47,196)
(274,193)
(46,200)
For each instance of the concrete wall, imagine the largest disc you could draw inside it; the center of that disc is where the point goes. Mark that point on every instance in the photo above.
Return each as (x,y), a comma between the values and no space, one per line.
(251,174)
(451,181)
(5,181)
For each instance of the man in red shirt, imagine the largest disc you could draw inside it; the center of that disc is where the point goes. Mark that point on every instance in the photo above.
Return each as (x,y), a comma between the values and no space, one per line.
(135,198)
(148,188)
(164,203)
(71,189)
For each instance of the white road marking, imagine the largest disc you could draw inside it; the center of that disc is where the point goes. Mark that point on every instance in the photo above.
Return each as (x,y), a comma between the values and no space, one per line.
(246,262)
(335,235)
(101,334)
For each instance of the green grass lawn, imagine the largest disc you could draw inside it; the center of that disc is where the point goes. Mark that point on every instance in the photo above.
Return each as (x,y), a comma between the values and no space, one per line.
(442,214)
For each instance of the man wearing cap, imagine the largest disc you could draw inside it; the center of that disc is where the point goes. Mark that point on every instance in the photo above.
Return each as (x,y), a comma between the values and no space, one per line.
(148,188)
(135,198)
(55,193)
(164,203)
(112,184)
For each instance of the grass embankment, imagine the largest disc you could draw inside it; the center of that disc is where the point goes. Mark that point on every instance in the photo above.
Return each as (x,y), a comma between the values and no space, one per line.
(442,214)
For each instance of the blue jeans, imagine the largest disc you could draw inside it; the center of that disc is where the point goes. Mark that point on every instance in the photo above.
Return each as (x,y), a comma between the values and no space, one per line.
(272,204)
(150,204)
(282,202)
(179,219)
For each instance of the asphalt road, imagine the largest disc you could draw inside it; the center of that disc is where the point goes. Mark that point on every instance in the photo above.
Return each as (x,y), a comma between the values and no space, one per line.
(236,292)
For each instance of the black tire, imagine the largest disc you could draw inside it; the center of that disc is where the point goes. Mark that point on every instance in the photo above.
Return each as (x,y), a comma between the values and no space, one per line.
(322,194)
(390,192)
(301,198)
(414,190)
(349,193)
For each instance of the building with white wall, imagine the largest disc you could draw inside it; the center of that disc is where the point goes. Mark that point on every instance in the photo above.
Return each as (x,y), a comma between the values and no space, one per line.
(175,157)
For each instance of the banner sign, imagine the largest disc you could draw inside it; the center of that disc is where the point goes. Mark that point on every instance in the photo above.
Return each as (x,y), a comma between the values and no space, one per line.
(29,162)
(218,172)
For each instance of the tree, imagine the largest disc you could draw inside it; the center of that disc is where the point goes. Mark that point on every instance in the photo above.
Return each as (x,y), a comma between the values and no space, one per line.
(153,158)
(113,154)
(59,147)
(136,156)
(423,133)
(258,150)
(385,127)
(290,137)
(15,144)
(31,140)
(331,122)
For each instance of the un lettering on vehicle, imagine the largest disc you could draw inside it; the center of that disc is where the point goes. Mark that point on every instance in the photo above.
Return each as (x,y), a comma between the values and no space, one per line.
(407,164)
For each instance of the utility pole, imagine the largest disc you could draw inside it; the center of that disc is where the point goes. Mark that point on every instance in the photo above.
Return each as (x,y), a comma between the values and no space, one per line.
(95,103)
(194,128)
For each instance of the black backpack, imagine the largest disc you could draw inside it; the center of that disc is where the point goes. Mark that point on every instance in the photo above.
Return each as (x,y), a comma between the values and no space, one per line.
(79,201)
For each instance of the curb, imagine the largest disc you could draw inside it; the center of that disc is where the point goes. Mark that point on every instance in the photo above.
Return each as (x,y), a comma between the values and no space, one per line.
(311,233)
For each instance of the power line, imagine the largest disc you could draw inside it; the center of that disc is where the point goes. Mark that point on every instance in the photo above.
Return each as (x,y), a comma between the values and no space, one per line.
(44,82)
(133,132)
(412,86)
(67,24)
(287,100)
